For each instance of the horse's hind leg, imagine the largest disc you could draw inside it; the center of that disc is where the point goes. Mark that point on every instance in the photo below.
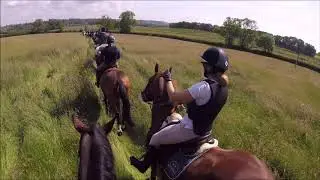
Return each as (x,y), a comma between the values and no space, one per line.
(126,112)
(106,103)
(120,121)
(115,108)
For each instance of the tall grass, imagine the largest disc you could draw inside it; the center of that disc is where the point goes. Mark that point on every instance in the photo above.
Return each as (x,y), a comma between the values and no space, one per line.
(272,110)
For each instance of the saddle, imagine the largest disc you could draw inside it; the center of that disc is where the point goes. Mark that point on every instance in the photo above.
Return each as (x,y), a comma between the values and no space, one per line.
(105,70)
(111,68)
(175,159)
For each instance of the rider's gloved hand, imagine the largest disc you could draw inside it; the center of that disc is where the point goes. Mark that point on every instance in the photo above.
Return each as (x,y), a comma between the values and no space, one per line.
(167,75)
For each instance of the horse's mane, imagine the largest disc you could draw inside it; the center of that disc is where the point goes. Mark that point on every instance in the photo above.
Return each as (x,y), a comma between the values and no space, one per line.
(102,160)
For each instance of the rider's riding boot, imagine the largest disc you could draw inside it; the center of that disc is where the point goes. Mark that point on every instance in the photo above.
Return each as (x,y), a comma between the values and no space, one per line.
(149,158)
(97,78)
(130,121)
(127,112)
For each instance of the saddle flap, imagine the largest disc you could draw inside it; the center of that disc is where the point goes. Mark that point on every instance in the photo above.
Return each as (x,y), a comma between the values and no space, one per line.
(111,69)
(178,161)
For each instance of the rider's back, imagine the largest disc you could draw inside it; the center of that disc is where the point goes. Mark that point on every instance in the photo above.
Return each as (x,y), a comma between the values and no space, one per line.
(111,54)
(102,37)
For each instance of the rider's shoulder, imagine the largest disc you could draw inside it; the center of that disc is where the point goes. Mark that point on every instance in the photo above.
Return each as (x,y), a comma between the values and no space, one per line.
(201,85)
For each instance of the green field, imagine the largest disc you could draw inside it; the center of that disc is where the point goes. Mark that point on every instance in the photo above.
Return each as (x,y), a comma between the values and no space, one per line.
(273,109)
(217,38)
(203,36)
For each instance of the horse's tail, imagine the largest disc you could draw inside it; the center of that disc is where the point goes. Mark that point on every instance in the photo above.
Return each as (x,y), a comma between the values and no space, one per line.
(126,112)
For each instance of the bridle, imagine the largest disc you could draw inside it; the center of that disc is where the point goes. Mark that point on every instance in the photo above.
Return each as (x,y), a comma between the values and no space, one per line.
(158,101)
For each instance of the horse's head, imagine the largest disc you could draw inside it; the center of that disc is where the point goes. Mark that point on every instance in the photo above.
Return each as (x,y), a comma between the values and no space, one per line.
(96,158)
(82,127)
(155,91)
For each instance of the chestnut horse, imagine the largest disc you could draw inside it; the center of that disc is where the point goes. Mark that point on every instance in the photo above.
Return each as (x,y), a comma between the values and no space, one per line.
(95,153)
(115,86)
(216,163)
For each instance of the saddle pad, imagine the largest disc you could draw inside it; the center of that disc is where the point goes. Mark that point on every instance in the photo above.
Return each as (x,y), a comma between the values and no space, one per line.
(110,69)
(179,161)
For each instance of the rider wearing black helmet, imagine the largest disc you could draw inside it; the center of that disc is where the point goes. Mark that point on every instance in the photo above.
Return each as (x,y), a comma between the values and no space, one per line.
(101,36)
(108,55)
(204,100)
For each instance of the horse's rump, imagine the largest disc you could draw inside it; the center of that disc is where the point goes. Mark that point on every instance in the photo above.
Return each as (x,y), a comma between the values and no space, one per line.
(115,86)
(228,164)
(112,76)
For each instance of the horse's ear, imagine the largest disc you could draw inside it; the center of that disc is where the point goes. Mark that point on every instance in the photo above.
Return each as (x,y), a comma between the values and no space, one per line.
(156,68)
(161,85)
(170,69)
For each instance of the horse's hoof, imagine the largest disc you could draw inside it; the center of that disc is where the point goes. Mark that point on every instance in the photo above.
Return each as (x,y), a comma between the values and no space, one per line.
(119,133)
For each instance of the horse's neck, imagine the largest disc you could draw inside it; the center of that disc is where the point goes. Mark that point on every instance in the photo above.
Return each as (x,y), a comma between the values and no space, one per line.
(159,114)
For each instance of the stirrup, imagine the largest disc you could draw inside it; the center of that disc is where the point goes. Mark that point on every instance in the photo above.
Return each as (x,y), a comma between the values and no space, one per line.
(138,164)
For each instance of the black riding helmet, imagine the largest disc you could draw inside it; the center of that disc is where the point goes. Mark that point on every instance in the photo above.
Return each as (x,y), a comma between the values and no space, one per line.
(111,53)
(111,39)
(217,58)
(103,29)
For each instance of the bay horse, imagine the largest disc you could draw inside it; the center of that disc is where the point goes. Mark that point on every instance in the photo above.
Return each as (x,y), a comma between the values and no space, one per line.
(95,153)
(115,86)
(216,163)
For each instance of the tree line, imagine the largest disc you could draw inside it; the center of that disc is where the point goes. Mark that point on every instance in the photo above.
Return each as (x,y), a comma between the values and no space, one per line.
(245,32)
(296,45)
(192,25)
(40,26)
(125,22)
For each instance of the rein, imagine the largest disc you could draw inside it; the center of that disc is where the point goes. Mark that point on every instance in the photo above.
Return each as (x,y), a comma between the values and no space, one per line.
(167,103)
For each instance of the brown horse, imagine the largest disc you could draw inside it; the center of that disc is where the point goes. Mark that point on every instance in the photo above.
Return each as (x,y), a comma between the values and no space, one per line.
(215,163)
(115,86)
(95,153)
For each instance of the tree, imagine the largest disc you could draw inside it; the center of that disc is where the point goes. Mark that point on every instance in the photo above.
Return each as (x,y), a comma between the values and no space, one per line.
(60,26)
(107,22)
(217,29)
(309,50)
(296,45)
(266,42)
(193,25)
(38,26)
(54,24)
(126,21)
(231,29)
(247,32)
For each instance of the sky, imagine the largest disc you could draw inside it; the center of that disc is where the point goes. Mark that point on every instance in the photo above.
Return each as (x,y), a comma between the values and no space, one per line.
(300,19)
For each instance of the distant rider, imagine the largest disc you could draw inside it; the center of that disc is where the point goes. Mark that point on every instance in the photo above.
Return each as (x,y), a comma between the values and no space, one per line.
(100,38)
(108,57)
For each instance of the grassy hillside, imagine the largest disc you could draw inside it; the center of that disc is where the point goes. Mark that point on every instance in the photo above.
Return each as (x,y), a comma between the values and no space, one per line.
(217,38)
(188,33)
(272,110)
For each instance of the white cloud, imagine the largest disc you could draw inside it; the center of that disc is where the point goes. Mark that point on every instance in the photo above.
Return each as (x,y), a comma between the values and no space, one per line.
(16,3)
(293,18)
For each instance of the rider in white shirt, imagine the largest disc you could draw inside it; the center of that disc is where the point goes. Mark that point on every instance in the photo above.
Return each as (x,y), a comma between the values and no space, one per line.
(204,101)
